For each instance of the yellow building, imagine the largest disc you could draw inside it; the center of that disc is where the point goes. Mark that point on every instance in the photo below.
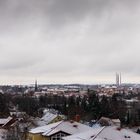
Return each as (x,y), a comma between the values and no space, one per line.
(56,119)
(34,136)
(39,136)
(50,116)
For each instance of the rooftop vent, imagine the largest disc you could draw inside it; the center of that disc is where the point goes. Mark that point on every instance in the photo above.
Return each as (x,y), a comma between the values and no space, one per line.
(75,125)
(127,137)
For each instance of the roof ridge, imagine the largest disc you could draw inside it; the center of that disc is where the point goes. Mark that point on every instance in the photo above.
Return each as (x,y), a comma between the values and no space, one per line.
(99,133)
(54,127)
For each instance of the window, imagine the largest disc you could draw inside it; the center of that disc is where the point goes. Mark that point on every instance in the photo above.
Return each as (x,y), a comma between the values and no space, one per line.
(58,136)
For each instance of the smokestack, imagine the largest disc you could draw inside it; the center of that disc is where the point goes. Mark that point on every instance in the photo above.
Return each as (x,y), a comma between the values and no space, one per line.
(120,79)
(117,79)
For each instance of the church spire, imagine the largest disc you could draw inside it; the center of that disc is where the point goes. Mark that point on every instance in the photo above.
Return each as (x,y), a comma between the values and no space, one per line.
(36,87)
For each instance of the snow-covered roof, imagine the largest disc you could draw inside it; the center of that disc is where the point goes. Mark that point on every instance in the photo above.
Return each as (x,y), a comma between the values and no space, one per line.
(45,128)
(106,133)
(17,113)
(132,100)
(109,122)
(69,127)
(1,91)
(48,117)
(116,120)
(88,135)
(4,121)
(114,86)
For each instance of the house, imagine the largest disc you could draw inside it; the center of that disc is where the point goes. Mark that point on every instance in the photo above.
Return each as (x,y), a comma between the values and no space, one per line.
(116,122)
(17,114)
(50,116)
(3,121)
(57,130)
(7,122)
(105,133)
(104,121)
(7,125)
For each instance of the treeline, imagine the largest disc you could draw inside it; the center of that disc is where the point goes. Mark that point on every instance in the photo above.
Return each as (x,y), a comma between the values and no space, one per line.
(4,105)
(88,107)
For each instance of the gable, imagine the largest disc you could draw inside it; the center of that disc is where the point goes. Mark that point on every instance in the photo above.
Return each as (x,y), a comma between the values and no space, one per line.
(59,135)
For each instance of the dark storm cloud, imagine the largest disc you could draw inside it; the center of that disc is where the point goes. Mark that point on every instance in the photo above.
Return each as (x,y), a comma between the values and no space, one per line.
(63,12)
(82,40)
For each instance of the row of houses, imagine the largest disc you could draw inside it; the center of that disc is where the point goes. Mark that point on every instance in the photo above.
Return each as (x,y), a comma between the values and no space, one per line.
(71,130)
(52,126)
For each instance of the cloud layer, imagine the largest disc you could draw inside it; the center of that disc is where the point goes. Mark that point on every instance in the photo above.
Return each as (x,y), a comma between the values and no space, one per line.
(69,41)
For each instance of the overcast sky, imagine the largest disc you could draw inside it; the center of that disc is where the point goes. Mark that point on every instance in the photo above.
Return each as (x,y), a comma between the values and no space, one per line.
(69,41)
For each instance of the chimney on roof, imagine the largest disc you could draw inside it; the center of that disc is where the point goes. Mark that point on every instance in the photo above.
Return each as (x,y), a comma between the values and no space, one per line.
(77,118)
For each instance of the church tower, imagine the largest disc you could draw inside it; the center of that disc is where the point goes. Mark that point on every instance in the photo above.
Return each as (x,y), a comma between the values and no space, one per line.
(36,86)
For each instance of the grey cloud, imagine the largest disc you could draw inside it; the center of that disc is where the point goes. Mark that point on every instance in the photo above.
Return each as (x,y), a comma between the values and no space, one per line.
(59,12)
(64,11)
(69,40)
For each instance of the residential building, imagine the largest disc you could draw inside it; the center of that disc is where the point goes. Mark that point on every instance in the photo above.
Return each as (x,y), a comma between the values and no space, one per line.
(57,130)
(50,116)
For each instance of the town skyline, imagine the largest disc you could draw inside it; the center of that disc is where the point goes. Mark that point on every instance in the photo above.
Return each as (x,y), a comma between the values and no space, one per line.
(40,82)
